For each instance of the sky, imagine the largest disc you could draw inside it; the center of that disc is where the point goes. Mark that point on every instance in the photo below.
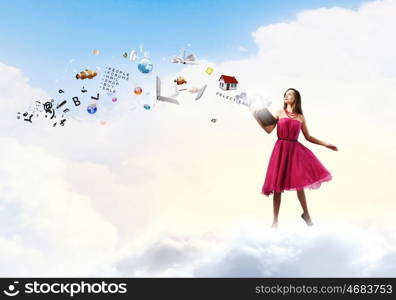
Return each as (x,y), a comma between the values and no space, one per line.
(167,192)
(71,29)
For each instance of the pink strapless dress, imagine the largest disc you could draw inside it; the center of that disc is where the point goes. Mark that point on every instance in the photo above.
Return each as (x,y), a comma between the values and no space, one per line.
(292,166)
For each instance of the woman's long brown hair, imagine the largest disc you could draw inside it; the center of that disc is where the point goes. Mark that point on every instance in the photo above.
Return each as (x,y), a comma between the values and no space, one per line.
(297,96)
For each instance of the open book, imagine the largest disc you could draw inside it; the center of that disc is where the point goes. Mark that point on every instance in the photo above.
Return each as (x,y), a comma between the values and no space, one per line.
(265,116)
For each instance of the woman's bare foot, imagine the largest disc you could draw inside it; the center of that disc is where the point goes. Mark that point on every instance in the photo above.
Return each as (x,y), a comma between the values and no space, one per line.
(307,220)
(274,225)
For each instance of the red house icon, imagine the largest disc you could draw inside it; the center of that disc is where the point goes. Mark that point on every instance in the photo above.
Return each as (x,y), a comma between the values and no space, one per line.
(228,82)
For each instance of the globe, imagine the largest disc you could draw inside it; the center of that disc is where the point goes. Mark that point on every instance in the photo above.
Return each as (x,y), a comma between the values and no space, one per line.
(92,108)
(145,65)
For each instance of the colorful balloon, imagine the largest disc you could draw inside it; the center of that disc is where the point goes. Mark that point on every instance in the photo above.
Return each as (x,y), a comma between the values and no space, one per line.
(138,90)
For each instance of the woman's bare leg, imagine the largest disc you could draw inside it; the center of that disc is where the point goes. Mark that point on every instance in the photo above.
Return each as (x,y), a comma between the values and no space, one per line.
(303,202)
(277,202)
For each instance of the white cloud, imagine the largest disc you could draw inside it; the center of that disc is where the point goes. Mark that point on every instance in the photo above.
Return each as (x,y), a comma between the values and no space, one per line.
(240,48)
(45,227)
(16,95)
(252,250)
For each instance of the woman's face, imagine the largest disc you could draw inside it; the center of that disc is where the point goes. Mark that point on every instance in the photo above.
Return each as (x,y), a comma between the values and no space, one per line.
(289,97)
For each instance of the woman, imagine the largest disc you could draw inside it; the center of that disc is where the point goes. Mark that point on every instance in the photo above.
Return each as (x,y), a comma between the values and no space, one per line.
(292,166)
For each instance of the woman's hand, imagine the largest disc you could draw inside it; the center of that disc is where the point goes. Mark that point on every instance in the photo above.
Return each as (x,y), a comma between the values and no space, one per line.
(332,147)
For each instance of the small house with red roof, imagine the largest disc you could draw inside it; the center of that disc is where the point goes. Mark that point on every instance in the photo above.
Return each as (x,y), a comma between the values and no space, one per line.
(228,82)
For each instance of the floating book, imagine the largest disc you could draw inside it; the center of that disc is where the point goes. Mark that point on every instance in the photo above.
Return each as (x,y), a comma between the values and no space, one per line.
(265,117)
(200,92)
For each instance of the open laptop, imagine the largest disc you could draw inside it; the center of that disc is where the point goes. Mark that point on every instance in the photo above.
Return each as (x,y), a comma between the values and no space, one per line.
(162,98)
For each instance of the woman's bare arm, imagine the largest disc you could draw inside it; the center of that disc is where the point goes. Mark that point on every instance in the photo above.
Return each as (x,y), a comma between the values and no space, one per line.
(314,140)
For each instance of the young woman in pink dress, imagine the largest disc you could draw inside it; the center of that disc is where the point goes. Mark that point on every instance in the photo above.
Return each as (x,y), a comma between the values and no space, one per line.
(292,166)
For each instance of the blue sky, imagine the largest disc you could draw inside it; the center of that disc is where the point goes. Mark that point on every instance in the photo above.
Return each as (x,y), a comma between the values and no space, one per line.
(40,37)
